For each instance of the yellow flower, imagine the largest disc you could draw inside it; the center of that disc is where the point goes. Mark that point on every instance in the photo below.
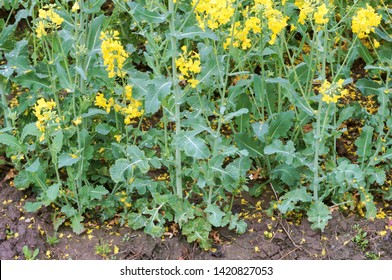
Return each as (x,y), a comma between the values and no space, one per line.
(43,110)
(77,121)
(365,21)
(376,43)
(320,14)
(75,7)
(40,30)
(188,63)
(213,13)
(48,13)
(117,138)
(113,53)
(276,23)
(332,92)
(128,92)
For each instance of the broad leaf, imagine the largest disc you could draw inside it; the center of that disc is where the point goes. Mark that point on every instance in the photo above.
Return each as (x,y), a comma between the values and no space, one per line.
(67,160)
(193,146)
(215,215)
(364,142)
(253,146)
(76,224)
(285,152)
(32,206)
(318,215)
(141,14)
(98,192)
(292,197)
(281,124)
(9,140)
(53,191)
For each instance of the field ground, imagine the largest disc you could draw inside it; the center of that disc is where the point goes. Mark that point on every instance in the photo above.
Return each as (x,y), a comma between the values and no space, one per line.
(344,237)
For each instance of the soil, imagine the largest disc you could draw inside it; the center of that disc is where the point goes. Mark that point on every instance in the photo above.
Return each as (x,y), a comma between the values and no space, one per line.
(266,238)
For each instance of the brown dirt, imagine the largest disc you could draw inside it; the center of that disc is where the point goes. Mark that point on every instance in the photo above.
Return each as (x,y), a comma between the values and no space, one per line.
(291,238)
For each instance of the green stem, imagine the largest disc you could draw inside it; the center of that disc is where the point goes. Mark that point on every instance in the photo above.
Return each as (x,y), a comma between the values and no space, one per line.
(177,99)
(3,86)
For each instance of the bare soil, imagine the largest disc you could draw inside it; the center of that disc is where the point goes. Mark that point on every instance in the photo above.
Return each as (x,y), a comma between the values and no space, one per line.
(290,238)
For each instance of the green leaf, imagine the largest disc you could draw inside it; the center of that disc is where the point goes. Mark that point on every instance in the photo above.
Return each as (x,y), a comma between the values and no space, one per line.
(138,158)
(22,180)
(32,207)
(252,145)
(98,192)
(68,210)
(91,7)
(93,112)
(32,81)
(191,32)
(232,115)
(287,173)
(118,170)
(299,75)
(215,215)
(364,52)
(198,230)
(183,210)
(57,142)
(53,191)
(142,14)
(64,79)
(292,197)
(76,224)
(103,129)
(344,115)
(239,225)
(9,140)
(93,43)
(286,152)
(67,160)
(281,124)
(136,220)
(192,146)
(364,142)
(318,215)
(154,97)
(260,130)
(368,87)
(30,129)
(33,167)
(377,176)
(18,60)
(155,230)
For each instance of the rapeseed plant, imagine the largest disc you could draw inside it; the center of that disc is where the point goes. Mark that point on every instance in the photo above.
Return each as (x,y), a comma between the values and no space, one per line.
(113,53)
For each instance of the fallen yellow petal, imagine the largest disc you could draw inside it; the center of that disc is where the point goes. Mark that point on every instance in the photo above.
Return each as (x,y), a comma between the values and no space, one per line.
(382,232)
(115,250)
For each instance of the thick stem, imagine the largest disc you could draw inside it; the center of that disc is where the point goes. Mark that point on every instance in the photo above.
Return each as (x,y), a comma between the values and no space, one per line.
(177,98)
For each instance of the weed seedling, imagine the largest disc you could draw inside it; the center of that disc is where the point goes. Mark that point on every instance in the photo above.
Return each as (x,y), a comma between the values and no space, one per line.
(29,254)
(52,240)
(102,249)
(360,238)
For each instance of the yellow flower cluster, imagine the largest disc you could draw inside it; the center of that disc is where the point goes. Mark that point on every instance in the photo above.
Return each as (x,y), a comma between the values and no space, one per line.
(113,53)
(332,92)
(276,23)
(49,19)
(365,21)
(241,33)
(43,110)
(312,8)
(188,63)
(129,108)
(214,13)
